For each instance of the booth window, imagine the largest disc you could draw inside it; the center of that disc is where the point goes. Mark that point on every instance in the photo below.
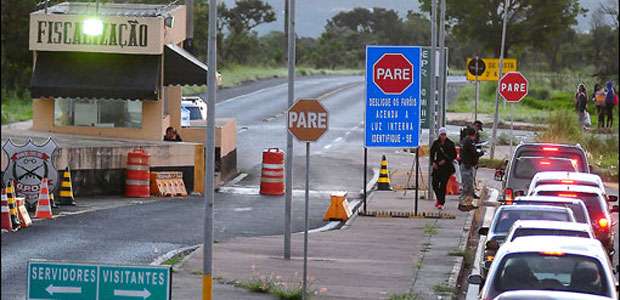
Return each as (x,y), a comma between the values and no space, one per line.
(104,113)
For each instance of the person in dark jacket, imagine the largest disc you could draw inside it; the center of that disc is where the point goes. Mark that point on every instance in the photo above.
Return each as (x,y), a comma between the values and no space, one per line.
(443,153)
(610,103)
(469,161)
(581,100)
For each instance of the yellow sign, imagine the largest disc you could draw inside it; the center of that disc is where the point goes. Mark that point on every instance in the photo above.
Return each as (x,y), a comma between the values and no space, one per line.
(491,68)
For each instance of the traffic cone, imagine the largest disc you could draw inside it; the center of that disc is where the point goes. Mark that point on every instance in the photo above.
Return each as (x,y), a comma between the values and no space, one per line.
(44,208)
(10,193)
(452,188)
(22,213)
(6,216)
(66,189)
(384,176)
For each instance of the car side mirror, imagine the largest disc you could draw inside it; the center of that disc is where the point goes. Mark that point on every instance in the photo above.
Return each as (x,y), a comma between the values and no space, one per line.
(612,198)
(474,279)
(615,209)
(483,230)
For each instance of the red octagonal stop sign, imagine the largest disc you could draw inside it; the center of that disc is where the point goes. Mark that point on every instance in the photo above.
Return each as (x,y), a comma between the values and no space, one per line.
(392,73)
(513,86)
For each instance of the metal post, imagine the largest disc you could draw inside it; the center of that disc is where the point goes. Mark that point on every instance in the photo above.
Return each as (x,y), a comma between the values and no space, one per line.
(511,127)
(431,100)
(307,200)
(288,227)
(417,172)
(477,91)
(209,194)
(501,70)
(442,62)
(365,175)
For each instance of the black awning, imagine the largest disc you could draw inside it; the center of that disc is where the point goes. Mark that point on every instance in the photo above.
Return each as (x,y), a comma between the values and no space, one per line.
(96,75)
(182,68)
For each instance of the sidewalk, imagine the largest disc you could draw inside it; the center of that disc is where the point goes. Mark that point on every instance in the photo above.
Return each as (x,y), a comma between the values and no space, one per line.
(369,258)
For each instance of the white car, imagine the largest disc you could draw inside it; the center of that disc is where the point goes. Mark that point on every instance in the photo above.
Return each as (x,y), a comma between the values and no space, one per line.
(197,109)
(598,209)
(568,264)
(579,209)
(546,295)
(523,228)
(569,178)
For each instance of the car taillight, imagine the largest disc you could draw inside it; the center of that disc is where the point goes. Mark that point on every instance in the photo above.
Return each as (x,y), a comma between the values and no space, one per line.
(544,163)
(567,195)
(603,223)
(550,149)
(566,181)
(508,196)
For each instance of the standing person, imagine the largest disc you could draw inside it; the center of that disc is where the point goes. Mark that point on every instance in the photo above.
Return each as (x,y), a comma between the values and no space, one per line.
(443,152)
(598,97)
(581,100)
(469,160)
(609,103)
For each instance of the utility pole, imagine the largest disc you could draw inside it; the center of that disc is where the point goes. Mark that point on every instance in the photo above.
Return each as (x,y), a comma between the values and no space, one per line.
(189,26)
(432,96)
(209,194)
(288,203)
(442,63)
(501,71)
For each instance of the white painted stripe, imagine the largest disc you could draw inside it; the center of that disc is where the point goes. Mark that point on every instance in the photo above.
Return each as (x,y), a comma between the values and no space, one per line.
(243,209)
(137,182)
(272,173)
(254,190)
(138,168)
(273,166)
(326,147)
(5,209)
(338,140)
(348,132)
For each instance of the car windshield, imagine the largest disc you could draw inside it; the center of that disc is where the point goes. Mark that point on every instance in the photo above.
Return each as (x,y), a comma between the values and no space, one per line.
(526,167)
(591,200)
(552,271)
(578,211)
(506,218)
(194,113)
(547,231)
(557,152)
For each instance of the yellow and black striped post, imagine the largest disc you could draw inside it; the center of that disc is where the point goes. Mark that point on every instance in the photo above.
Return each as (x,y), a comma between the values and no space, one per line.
(383,184)
(66,189)
(10,192)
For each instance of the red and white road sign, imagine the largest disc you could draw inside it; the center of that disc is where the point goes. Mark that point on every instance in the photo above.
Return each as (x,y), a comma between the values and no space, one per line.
(392,73)
(307,120)
(513,86)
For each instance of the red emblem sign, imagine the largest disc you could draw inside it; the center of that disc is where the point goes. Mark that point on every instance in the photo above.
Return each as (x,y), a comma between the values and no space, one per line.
(392,73)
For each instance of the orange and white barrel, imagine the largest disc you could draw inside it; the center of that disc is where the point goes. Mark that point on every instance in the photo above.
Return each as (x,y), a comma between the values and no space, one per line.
(138,182)
(272,174)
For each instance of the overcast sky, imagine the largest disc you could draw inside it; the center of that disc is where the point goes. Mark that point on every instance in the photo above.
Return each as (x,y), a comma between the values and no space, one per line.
(312,15)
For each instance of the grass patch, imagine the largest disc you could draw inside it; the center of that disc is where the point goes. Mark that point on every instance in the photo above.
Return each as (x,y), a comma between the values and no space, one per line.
(274,285)
(238,74)
(602,150)
(431,229)
(15,107)
(490,163)
(466,254)
(443,288)
(405,296)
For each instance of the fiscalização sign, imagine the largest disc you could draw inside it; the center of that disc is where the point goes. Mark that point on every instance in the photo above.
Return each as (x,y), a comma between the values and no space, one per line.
(137,35)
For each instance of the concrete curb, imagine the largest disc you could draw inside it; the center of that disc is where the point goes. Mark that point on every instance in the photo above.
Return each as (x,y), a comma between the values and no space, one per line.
(170,254)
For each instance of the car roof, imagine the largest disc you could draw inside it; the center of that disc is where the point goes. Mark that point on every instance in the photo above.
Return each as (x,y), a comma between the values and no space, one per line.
(568,175)
(532,207)
(546,295)
(568,187)
(564,244)
(543,224)
(547,199)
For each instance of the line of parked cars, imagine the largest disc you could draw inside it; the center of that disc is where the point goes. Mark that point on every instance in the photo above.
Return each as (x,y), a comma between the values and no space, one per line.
(552,237)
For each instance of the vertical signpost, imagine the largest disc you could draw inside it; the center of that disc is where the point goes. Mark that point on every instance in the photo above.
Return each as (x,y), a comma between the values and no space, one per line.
(307,120)
(513,88)
(393,90)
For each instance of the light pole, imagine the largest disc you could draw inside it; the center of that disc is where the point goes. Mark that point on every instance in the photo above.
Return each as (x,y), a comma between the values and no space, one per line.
(288,201)
(501,70)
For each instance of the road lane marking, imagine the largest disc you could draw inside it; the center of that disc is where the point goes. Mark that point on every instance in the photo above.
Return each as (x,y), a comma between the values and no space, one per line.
(326,147)
(239,209)
(254,190)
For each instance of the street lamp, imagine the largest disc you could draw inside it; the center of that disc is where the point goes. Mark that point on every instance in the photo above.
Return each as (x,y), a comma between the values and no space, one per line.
(92,26)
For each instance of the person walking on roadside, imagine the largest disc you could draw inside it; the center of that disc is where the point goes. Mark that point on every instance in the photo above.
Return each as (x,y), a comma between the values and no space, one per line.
(610,99)
(443,152)
(598,97)
(581,100)
(469,160)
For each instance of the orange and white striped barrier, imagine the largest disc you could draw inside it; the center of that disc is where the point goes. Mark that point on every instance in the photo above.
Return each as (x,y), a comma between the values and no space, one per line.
(272,174)
(44,206)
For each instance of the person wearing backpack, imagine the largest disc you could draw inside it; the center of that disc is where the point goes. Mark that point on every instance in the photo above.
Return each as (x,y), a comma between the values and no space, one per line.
(609,103)
(598,97)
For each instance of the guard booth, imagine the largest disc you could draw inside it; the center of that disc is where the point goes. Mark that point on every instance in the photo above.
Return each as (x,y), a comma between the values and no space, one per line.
(115,71)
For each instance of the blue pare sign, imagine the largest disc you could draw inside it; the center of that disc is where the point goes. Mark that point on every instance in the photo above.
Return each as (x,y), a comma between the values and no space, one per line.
(393,87)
